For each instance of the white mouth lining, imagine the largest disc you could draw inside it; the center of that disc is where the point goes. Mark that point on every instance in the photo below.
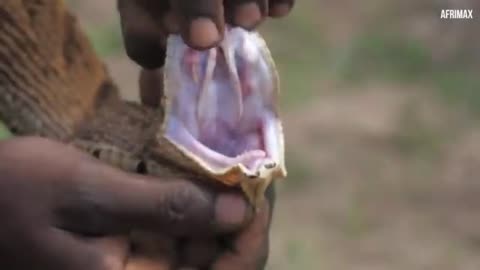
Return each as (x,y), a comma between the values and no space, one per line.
(178,134)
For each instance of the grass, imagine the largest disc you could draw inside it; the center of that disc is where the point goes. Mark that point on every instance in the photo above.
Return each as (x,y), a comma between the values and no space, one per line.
(415,138)
(298,256)
(106,39)
(459,87)
(4,132)
(397,58)
(299,173)
(300,51)
(386,56)
(356,223)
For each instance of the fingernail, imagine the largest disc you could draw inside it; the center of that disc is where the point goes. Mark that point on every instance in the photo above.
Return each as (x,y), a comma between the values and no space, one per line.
(203,33)
(230,211)
(280,10)
(248,15)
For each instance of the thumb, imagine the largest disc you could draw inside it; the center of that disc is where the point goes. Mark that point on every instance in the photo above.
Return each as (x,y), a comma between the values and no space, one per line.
(100,199)
(104,200)
(88,197)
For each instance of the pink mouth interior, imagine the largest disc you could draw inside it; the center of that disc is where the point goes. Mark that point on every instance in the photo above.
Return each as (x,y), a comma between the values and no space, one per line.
(222,111)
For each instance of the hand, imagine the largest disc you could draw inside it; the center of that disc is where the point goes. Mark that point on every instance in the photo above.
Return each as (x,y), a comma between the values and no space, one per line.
(246,249)
(250,247)
(146,23)
(61,209)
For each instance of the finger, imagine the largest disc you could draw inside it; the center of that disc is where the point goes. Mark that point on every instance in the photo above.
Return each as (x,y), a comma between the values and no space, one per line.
(152,243)
(144,33)
(24,232)
(232,211)
(112,201)
(151,251)
(250,247)
(246,13)
(171,22)
(104,199)
(151,87)
(148,263)
(198,253)
(71,253)
(114,250)
(88,197)
(201,21)
(50,248)
(280,8)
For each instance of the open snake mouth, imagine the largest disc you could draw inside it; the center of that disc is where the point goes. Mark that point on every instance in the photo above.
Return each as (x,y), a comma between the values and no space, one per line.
(222,107)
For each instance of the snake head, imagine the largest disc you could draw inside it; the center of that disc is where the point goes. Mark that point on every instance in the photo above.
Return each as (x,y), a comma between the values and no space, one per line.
(221,116)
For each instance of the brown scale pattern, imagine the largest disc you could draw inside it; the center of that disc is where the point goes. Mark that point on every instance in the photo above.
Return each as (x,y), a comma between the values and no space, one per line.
(49,74)
(52,84)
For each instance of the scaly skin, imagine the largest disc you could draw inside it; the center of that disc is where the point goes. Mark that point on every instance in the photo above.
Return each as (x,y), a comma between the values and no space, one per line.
(50,78)
(52,84)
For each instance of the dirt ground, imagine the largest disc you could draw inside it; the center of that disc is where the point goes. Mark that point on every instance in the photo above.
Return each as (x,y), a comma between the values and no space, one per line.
(383,174)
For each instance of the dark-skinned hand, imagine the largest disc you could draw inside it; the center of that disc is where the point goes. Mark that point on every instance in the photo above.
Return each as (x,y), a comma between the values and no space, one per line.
(147,23)
(61,209)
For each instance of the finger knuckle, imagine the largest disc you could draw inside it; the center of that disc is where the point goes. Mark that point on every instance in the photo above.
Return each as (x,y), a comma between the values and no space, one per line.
(187,205)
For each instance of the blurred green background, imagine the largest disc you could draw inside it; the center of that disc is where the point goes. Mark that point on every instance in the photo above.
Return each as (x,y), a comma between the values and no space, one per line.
(381,105)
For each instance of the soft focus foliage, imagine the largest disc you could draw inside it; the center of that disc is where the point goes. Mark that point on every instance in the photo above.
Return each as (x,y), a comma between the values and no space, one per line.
(4,132)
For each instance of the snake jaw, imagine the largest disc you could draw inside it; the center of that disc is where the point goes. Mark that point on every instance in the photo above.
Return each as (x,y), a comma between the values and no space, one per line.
(221,118)
(255,190)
